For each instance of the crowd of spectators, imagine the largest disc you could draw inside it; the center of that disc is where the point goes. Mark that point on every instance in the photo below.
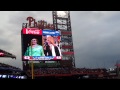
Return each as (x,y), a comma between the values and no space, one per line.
(73,71)
(87,70)
(8,69)
(50,71)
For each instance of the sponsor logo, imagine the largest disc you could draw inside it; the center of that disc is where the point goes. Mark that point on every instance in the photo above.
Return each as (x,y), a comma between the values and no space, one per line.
(32,31)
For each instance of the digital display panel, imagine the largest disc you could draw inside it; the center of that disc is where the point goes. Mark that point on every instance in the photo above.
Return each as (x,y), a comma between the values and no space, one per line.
(12,77)
(38,44)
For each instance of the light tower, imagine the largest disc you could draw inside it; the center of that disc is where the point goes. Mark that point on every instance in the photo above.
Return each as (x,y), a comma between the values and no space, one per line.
(62,22)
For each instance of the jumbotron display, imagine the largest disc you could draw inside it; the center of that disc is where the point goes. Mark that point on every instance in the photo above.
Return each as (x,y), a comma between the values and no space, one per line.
(38,44)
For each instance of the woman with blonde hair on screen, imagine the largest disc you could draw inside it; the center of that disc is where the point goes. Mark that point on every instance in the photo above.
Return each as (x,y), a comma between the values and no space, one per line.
(53,50)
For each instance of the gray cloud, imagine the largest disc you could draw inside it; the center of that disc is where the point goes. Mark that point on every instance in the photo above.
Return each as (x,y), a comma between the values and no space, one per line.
(98,43)
(95,35)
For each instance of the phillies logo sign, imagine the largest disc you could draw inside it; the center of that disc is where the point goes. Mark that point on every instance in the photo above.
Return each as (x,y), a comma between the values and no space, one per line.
(41,24)
(32,31)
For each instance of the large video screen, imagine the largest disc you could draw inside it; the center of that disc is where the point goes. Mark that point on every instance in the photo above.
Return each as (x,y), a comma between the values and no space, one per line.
(40,44)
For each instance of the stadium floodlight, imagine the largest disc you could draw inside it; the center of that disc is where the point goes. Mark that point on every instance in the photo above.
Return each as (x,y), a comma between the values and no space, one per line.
(62,13)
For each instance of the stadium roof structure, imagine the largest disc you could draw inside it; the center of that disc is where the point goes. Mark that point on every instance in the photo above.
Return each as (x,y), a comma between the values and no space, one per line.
(6,66)
(10,69)
(4,53)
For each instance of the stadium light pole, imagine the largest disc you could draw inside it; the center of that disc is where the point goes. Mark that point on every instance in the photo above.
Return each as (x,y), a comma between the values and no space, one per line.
(32,67)
(32,70)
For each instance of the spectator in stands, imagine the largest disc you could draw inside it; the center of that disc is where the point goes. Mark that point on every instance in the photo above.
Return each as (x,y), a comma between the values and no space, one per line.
(34,49)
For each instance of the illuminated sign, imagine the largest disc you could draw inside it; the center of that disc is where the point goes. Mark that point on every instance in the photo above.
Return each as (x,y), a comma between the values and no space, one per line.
(40,44)
(32,31)
(62,14)
(12,76)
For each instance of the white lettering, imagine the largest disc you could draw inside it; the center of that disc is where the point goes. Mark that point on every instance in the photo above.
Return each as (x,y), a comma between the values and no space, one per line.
(48,32)
(29,31)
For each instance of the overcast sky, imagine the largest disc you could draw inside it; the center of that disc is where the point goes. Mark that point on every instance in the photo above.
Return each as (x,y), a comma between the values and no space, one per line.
(96,36)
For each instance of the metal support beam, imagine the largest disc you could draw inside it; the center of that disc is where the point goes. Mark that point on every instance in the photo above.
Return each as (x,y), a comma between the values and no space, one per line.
(63,23)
